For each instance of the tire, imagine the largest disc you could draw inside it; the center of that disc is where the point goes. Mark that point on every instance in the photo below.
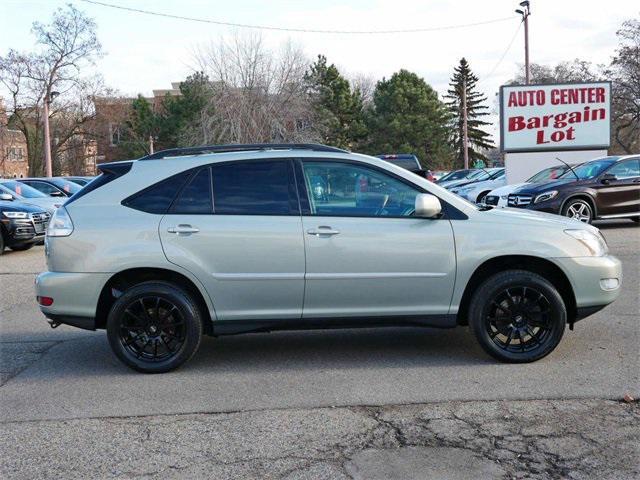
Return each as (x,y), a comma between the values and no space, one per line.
(159,337)
(481,196)
(537,324)
(636,219)
(578,209)
(22,248)
(1,241)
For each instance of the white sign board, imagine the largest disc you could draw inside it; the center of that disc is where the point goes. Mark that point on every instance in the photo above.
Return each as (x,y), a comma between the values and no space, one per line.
(570,116)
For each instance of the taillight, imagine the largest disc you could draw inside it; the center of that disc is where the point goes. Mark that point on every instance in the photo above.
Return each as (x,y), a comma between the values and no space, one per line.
(45,301)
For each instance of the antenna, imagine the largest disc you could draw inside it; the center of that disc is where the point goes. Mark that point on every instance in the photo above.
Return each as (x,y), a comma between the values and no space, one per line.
(570,168)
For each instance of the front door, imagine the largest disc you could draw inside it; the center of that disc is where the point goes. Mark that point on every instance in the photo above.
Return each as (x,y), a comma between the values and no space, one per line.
(237,227)
(621,194)
(366,254)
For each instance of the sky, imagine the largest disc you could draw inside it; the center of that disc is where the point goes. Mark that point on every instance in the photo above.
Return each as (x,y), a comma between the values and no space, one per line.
(147,52)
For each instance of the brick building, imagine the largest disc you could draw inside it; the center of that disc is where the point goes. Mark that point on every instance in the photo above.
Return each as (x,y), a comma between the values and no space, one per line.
(13,149)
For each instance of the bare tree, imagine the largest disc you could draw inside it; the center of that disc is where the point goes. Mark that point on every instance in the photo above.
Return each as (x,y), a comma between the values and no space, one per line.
(625,75)
(256,94)
(65,47)
(366,85)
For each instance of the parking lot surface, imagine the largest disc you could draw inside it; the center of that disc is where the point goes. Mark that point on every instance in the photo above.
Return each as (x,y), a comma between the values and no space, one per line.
(56,384)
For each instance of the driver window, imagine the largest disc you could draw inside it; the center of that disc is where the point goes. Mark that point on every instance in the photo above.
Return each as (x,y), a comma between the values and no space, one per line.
(343,189)
(625,169)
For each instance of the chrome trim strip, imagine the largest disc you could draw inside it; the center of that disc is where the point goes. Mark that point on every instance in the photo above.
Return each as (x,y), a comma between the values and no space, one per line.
(372,275)
(619,215)
(241,277)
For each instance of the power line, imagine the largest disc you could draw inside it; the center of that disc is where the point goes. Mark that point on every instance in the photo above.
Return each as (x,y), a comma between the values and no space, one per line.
(297,30)
(513,39)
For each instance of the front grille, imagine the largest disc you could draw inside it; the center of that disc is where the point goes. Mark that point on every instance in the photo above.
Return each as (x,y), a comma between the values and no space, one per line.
(491,200)
(40,221)
(519,200)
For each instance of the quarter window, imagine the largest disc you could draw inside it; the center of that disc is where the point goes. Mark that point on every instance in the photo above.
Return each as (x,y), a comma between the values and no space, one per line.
(157,198)
(254,188)
(342,189)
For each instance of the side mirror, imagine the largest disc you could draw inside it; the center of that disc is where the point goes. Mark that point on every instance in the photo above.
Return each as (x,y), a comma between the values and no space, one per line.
(6,197)
(427,205)
(607,178)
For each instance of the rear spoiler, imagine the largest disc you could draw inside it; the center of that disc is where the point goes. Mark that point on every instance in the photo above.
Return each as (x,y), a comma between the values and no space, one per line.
(109,172)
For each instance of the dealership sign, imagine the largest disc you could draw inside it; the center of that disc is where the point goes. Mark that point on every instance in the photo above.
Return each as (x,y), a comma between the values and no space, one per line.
(570,116)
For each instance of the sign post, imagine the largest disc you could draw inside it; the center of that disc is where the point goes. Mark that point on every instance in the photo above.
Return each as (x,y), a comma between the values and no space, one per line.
(541,122)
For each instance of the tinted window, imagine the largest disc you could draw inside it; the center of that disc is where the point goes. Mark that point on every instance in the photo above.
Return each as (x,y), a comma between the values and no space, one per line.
(548,174)
(352,190)
(588,170)
(44,187)
(625,169)
(69,187)
(254,188)
(157,198)
(195,198)
(23,189)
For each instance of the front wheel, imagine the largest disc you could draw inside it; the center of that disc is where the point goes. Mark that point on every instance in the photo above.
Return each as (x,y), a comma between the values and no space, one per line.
(154,327)
(578,210)
(517,316)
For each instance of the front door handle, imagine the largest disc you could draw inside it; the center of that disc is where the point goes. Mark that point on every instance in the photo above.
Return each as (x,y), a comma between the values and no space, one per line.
(183,229)
(323,230)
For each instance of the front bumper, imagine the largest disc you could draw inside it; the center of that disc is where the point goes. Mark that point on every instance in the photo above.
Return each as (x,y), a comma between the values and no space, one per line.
(75,296)
(587,275)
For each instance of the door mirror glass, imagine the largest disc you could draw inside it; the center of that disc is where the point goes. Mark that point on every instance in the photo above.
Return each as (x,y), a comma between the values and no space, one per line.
(6,197)
(607,178)
(427,205)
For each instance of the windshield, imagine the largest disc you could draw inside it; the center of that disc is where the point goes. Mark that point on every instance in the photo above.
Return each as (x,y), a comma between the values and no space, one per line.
(589,170)
(23,190)
(66,185)
(548,174)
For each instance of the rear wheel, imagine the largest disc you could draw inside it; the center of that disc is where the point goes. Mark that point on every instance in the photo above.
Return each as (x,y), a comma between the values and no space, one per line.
(578,209)
(517,316)
(154,327)
(480,198)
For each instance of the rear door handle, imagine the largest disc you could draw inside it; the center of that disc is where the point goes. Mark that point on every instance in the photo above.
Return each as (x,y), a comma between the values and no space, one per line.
(323,230)
(183,228)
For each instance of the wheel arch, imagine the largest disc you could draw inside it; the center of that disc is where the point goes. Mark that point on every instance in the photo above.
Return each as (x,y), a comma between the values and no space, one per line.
(133,276)
(541,266)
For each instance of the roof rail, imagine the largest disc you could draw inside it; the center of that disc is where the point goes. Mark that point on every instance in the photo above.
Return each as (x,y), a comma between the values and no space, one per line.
(178,152)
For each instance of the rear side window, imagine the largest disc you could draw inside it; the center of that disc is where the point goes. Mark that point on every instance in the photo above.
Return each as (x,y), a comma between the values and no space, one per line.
(254,188)
(195,198)
(158,197)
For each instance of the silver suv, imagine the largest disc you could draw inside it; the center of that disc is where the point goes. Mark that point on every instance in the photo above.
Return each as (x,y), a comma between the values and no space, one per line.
(253,238)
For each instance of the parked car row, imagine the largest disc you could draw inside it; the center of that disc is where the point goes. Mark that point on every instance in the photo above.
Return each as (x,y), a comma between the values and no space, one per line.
(27,204)
(603,188)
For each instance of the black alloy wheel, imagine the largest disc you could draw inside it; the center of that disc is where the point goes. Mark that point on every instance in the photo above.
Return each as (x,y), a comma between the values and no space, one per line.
(154,327)
(517,316)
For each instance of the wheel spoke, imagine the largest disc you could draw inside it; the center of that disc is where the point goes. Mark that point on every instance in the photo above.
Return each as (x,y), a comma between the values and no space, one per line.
(500,307)
(510,337)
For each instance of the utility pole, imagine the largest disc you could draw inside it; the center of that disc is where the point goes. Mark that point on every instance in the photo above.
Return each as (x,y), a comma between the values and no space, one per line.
(48,168)
(150,144)
(465,132)
(525,12)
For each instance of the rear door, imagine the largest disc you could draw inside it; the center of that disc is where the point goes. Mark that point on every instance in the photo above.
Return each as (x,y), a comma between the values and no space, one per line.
(237,227)
(620,195)
(367,256)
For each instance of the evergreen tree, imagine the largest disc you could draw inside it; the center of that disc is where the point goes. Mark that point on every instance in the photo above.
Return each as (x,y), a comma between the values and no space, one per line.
(338,108)
(476,110)
(408,117)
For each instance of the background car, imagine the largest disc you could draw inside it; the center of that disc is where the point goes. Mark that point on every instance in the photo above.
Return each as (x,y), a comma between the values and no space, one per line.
(498,197)
(456,175)
(438,174)
(478,175)
(82,181)
(26,194)
(408,161)
(21,225)
(604,188)
(476,191)
(53,186)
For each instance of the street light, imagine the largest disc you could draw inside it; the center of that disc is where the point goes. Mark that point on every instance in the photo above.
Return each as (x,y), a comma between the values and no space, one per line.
(525,12)
(48,98)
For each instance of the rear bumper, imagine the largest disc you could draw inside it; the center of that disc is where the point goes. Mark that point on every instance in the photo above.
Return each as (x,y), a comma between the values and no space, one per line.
(75,296)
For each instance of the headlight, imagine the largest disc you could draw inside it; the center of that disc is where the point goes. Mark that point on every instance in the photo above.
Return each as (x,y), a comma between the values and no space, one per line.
(543,197)
(60,224)
(15,214)
(595,243)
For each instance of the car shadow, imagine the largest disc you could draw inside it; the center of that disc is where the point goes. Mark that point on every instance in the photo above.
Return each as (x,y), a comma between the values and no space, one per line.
(614,224)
